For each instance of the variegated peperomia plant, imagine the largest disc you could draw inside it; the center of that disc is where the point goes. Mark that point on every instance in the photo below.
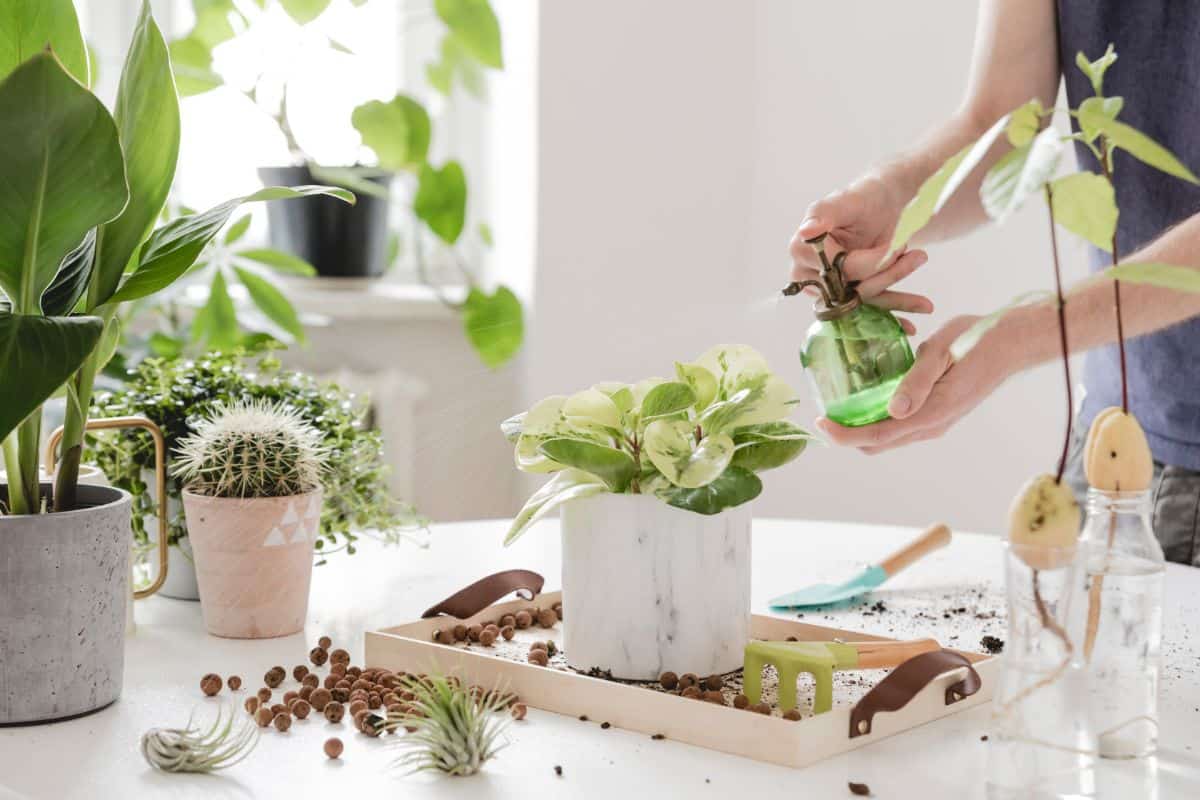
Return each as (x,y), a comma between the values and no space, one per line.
(695,441)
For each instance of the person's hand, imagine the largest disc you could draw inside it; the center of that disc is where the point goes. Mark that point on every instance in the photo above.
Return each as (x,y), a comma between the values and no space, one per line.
(861,220)
(936,393)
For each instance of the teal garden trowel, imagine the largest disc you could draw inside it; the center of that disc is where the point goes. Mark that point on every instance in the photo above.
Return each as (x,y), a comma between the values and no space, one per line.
(823,594)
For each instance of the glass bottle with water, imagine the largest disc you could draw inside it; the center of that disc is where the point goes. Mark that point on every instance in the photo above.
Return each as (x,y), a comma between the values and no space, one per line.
(1121,622)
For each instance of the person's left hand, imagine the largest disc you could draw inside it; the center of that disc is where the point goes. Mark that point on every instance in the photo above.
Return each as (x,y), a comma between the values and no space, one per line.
(935,393)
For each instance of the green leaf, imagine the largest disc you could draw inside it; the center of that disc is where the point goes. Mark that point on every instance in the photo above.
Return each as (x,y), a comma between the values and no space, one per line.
(1020,173)
(768,445)
(281,262)
(110,339)
(612,466)
(592,409)
(164,346)
(339,47)
(357,179)
(672,447)
(398,131)
(939,187)
(456,63)
(1146,150)
(219,329)
(512,427)
(1096,112)
(567,485)
(238,229)
(475,25)
(485,234)
(1024,123)
(732,487)
(27,27)
(1084,203)
(494,324)
(304,11)
(72,279)
(147,117)
(63,175)
(1166,276)
(213,21)
(172,249)
(271,302)
(1094,70)
(666,399)
(441,200)
(191,61)
(702,382)
(971,336)
(37,355)
(766,399)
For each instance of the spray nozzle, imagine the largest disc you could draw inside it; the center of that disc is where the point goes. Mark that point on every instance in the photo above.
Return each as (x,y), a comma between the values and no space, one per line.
(837,295)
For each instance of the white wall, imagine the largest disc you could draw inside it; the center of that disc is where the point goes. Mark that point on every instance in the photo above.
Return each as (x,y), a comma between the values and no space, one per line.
(679,142)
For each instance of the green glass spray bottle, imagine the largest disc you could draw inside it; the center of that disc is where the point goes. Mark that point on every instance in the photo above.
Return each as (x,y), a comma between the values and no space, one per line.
(855,353)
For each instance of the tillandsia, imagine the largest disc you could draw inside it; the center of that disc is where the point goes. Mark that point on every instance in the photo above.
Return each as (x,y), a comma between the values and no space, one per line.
(175,393)
(191,749)
(695,441)
(452,729)
(252,448)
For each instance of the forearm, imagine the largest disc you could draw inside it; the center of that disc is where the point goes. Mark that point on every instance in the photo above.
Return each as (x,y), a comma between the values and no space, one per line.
(1031,336)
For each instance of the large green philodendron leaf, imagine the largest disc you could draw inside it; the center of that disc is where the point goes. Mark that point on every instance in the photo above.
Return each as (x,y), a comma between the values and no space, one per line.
(1166,276)
(147,117)
(768,445)
(441,200)
(666,400)
(1019,174)
(494,324)
(398,131)
(27,27)
(475,25)
(304,11)
(37,355)
(672,447)
(937,190)
(174,247)
(63,174)
(614,467)
(732,487)
(1084,204)
(570,484)
(971,336)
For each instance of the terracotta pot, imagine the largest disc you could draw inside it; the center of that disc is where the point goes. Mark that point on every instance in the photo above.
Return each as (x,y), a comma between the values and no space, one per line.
(254,561)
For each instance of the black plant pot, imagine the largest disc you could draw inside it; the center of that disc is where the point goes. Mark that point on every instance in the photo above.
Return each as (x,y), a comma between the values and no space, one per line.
(340,240)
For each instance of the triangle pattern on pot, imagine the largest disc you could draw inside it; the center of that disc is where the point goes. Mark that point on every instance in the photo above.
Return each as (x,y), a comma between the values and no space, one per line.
(275,538)
(289,516)
(314,508)
(301,534)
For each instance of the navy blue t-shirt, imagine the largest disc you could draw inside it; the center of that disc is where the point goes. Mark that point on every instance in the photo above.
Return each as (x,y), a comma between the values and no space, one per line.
(1158,73)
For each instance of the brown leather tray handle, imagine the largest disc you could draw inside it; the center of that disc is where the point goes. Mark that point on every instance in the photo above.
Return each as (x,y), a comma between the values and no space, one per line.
(906,681)
(482,593)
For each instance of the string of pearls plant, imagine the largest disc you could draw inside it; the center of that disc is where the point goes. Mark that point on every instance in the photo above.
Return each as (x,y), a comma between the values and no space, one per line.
(451,729)
(251,448)
(190,749)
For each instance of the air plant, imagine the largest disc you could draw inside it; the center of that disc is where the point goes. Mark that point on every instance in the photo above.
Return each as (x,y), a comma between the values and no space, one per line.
(190,749)
(252,448)
(451,729)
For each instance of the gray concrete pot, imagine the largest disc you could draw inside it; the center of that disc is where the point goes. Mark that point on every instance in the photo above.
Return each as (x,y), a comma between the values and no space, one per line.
(63,583)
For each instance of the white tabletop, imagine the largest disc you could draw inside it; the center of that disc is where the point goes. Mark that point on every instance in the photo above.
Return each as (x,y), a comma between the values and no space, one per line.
(951,594)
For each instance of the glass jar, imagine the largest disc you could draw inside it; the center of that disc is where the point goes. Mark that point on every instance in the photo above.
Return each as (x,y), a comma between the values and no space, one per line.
(1120,622)
(1041,744)
(855,362)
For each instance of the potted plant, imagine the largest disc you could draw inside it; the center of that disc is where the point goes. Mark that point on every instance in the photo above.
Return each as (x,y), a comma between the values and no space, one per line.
(252,497)
(83,189)
(654,480)
(397,137)
(176,393)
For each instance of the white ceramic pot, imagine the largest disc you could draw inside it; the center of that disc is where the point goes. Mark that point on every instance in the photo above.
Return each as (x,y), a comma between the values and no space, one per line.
(181,566)
(649,588)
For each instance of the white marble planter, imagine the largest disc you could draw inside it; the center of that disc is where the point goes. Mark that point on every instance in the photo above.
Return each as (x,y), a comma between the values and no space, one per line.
(648,587)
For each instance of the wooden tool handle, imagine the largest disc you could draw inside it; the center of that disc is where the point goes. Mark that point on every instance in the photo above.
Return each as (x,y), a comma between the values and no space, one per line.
(873,655)
(932,539)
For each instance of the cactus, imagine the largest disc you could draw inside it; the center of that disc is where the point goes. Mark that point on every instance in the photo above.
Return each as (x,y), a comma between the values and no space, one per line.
(251,449)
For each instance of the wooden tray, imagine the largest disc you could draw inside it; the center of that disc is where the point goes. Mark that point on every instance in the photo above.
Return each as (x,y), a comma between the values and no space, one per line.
(923,689)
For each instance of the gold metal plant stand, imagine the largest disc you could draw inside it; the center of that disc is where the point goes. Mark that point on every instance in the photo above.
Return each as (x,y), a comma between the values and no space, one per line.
(160,479)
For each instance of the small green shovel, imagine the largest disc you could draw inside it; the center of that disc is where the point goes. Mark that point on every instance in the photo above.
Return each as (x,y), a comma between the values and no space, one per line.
(823,594)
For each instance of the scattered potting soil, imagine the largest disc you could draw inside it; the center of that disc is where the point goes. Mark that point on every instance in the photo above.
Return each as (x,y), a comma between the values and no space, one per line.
(992,644)
(859,789)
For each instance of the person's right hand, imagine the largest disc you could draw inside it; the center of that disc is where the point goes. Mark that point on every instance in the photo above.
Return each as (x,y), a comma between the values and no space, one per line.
(861,219)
